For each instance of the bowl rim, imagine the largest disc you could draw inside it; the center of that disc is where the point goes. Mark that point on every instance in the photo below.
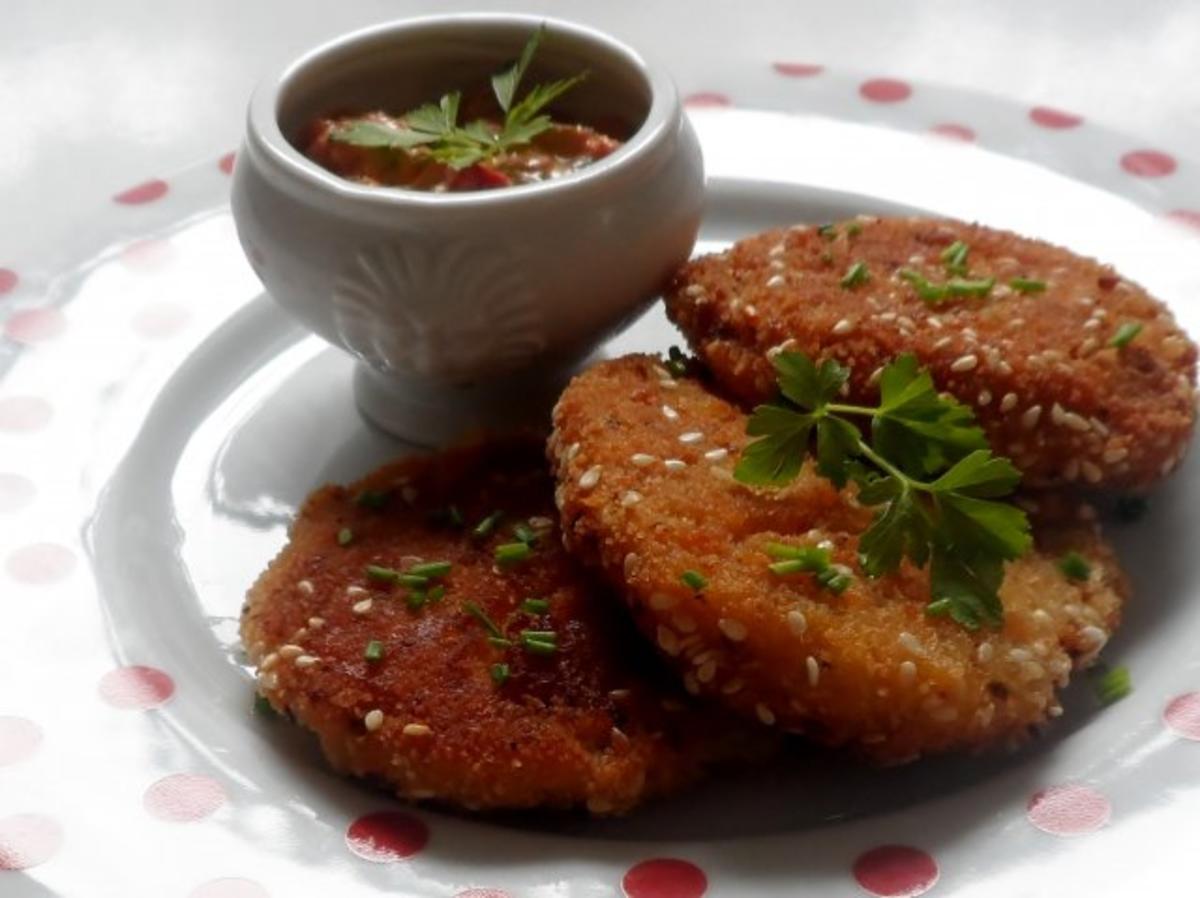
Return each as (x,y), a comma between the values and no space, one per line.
(267,143)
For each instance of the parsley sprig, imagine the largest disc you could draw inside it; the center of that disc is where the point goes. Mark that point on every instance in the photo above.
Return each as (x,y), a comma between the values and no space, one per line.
(436,126)
(925,467)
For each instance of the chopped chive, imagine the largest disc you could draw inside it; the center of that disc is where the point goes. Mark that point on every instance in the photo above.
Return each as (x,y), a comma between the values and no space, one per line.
(694,579)
(345,536)
(374,650)
(1027,285)
(374,499)
(485,527)
(784,568)
(856,274)
(524,533)
(430,570)
(931,293)
(416,581)
(853,229)
(1125,334)
(677,362)
(480,615)
(512,553)
(539,642)
(962,287)
(263,706)
(827,231)
(782,551)
(835,578)
(436,593)
(416,600)
(1114,685)
(535,606)
(500,674)
(383,574)
(1130,509)
(499,642)
(955,257)
(798,558)
(1074,566)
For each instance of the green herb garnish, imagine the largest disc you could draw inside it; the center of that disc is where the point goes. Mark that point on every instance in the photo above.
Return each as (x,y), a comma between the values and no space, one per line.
(494,632)
(694,580)
(1027,285)
(535,606)
(430,570)
(827,231)
(1114,685)
(383,574)
(525,533)
(1075,567)
(853,229)
(374,650)
(955,288)
(485,527)
(856,274)
(955,257)
(539,642)
(509,554)
(435,126)
(1125,334)
(345,536)
(500,673)
(926,466)
(809,560)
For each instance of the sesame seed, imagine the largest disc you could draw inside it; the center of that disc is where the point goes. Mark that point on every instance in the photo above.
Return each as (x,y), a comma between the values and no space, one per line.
(985,397)
(674,464)
(1116,454)
(306,661)
(305,586)
(943,342)
(781,347)
(631,497)
(572,451)
(667,640)
(910,642)
(1093,637)
(777,250)
(706,671)
(905,322)
(716,454)
(416,729)
(765,714)
(362,607)
(670,413)
(641,459)
(1040,615)
(1020,655)
(692,436)
(1076,422)
(290,651)
(316,623)
(985,652)
(590,477)
(630,564)
(875,375)
(777,265)
(268,680)
(355,591)
(751,311)
(1054,711)
(1030,418)
(1004,367)
(373,720)
(797,621)
(776,280)
(814,670)
(966,362)
(734,629)
(732,687)
(618,694)
(886,316)
(1009,402)
(1002,291)
(693,290)
(908,672)
(661,601)
(269,661)
(843,327)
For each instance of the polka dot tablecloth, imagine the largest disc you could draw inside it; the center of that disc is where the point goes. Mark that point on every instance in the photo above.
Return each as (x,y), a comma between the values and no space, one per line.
(130,759)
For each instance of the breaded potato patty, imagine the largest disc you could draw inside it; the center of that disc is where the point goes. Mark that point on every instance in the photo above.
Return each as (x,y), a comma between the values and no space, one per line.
(409,686)
(646,491)
(1035,356)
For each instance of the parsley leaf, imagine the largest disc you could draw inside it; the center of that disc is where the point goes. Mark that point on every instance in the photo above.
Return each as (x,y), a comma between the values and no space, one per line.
(927,470)
(369,133)
(505,84)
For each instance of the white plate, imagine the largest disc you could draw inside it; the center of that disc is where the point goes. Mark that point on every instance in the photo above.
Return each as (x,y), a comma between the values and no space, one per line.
(160,420)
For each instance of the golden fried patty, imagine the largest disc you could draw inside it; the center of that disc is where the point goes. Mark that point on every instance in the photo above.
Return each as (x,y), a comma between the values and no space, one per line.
(1037,367)
(594,722)
(644,466)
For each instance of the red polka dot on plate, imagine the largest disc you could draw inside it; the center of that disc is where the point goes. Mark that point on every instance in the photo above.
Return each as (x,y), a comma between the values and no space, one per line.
(386,836)
(15,492)
(136,688)
(665,878)
(707,98)
(225,163)
(1188,217)
(229,888)
(1149,163)
(31,326)
(1048,117)
(147,192)
(1068,810)
(1182,715)
(40,563)
(885,90)
(184,797)
(798,69)
(483,893)
(162,319)
(151,254)
(953,132)
(21,414)
(8,280)
(896,871)
(19,739)
(27,840)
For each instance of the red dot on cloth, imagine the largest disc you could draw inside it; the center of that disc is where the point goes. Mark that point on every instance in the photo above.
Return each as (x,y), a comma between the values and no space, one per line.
(954,132)
(27,840)
(1048,117)
(40,563)
(8,280)
(885,90)
(1182,715)
(21,414)
(483,893)
(151,254)
(31,326)
(896,871)
(798,69)
(1188,217)
(707,98)
(183,797)
(1149,163)
(147,192)
(225,163)
(15,492)
(1068,810)
(664,878)
(386,836)
(161,319)
(19,739)
(229,888)
(136,688)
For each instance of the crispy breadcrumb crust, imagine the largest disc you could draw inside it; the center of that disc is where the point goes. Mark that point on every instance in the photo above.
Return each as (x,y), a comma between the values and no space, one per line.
(1050,392)
(645,487)
(600,723)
